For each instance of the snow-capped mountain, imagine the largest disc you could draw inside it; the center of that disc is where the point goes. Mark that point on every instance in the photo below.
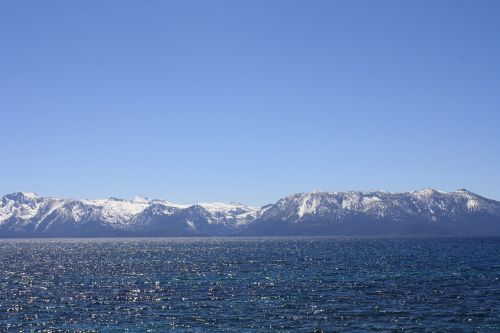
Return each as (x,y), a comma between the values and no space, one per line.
(420,212)
(26,214)
(424,212)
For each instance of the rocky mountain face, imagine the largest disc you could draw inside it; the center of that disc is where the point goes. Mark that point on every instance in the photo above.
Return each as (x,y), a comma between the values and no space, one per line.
(28,215)
(424,212)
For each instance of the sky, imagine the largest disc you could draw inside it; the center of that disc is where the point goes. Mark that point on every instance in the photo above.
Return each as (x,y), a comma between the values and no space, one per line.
(248,101)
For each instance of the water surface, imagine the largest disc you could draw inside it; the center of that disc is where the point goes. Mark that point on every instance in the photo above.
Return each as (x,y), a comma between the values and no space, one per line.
(250,285)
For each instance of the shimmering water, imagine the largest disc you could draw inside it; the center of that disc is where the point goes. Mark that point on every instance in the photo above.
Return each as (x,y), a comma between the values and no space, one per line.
(288,284)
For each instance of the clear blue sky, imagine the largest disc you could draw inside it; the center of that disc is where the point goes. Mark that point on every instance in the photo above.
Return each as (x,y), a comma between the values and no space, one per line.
(248,101)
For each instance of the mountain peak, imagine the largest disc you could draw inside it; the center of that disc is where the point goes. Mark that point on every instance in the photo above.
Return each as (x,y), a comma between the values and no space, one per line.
(22,195)
(429,190)
(140,199)
(427,211)
(29,195)
(115,199)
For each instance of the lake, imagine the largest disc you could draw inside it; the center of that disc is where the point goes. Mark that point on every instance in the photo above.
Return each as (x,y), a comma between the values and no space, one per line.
(251,284)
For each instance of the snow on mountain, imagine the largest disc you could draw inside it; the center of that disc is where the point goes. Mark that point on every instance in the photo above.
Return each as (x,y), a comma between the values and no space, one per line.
(115,210)
(425,211)
(377,212)
(27,213)
(379,204)
(237,213)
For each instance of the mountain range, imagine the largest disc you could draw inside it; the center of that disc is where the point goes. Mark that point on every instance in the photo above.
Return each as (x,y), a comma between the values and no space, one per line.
(425,212)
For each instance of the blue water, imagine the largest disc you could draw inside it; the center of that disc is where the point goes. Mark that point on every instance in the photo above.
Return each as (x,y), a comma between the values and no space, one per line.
(250,285)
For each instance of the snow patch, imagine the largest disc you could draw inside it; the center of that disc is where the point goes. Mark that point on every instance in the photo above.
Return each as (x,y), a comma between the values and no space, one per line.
(308,205)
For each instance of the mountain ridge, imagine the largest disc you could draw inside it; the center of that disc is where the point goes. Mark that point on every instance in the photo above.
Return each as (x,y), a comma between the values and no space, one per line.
(422,212)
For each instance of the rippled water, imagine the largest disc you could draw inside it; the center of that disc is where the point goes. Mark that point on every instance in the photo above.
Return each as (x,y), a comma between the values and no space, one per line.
(288,284)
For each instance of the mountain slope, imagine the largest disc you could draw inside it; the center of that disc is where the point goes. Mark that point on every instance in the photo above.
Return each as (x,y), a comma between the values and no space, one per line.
(26,214)
(424,212)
